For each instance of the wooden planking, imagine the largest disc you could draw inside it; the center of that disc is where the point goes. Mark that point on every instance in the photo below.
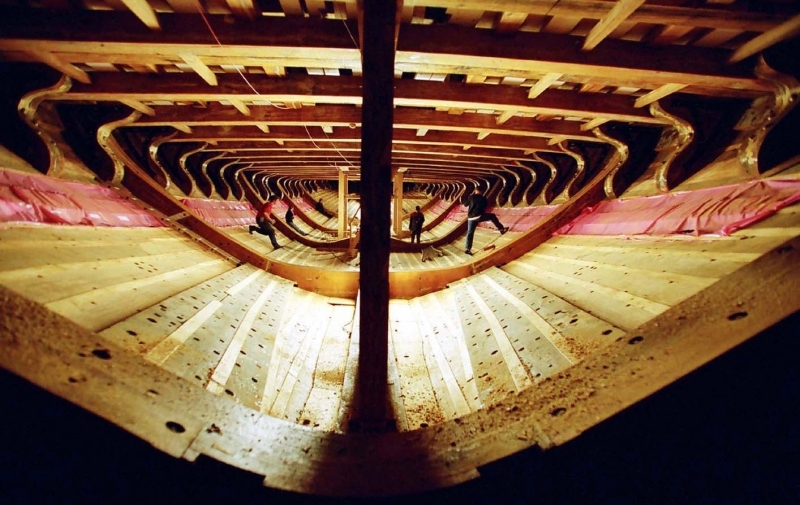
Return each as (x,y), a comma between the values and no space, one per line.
(292,331)
(396,406)
(492,376)
(535,348)
(419,399)
(199,356)
(442,313)
(495,316)
(456,402)
(223,370)
(347,403)
(322,407)
(154,326)
(576,333)
(649,257)
(101,308)
(249,376)
(299,376)
(661,287)
(49,283)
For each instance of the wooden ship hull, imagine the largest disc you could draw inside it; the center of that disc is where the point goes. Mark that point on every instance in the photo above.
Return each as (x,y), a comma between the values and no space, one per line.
(642,154)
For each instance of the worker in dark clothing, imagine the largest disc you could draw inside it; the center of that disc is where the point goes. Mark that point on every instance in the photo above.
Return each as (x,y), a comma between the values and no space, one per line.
(415,221)
(477,205)
(290,221)
(322,210)
(264,227)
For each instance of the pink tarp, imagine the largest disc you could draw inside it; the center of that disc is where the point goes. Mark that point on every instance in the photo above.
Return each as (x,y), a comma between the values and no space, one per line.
(720,210)
(42,199)
(222,213)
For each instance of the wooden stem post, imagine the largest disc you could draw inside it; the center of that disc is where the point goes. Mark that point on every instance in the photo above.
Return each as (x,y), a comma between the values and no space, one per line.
(376,190)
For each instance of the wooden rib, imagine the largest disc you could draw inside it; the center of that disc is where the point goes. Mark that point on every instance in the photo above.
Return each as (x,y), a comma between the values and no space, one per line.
(137,105)
(505,116)
(510,22)
(785,30)
(244,8)
(143,11)
(619,13)
(240,106)
(276,71)
(291,7)
(657,94)
(542,85)
(200,68)
(594,123)
(62,66)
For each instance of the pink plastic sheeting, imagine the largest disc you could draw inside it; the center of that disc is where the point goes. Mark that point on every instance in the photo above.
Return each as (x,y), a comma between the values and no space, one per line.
(42,199)
(222,213)
(303,205)
(518,219)
(720,210)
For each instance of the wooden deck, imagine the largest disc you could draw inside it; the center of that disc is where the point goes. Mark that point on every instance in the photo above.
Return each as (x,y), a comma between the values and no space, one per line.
(292,354)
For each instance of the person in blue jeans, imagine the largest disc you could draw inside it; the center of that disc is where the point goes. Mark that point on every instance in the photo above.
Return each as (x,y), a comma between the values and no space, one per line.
(477,205)
(264,226)
(290,221)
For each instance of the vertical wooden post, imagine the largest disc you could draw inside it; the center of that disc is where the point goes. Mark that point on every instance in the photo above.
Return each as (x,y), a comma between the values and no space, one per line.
(397,218)
(342,208)
(376,187)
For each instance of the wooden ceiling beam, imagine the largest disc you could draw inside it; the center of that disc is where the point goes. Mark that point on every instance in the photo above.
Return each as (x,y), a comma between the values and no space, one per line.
(346,90)
(538,53)
(245,135)
(344,116)
(790,28)
(598,10)
(621,11)
(142,10)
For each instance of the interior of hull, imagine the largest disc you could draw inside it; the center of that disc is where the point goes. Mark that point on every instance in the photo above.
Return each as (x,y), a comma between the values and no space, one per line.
(349,354)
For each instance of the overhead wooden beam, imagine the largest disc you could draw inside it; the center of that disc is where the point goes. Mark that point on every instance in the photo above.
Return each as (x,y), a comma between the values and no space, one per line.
(790,28)
(658,94)
(594,123)
(143,11)
(201,68)
(619,13)
(243,8)
(137,105)
(64,67)
(240,106)
(542,84)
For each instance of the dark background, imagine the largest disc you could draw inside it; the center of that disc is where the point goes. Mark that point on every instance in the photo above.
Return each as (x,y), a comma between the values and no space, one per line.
(726,433)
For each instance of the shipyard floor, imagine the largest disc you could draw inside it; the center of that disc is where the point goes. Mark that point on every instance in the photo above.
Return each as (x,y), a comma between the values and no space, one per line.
(726,433)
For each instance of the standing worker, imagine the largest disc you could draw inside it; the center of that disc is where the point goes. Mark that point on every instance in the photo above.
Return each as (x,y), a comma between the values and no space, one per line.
(264,227)
(290,221)
(477,204)
(415,224)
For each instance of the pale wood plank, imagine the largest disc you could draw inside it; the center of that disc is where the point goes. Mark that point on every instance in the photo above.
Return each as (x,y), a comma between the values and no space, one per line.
(147,328)
(286,345)
(322,407)
(491,375)
(459,404)
(223,370)
(578,334)
(419,400)
(101,308)
(618,308)
(518,372)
